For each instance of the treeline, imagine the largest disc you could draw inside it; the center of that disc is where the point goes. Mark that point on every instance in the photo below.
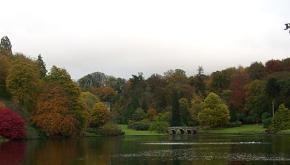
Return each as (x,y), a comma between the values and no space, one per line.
(52,103)
(243,95)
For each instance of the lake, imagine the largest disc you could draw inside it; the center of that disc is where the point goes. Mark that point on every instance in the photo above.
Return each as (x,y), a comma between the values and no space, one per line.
(150,150)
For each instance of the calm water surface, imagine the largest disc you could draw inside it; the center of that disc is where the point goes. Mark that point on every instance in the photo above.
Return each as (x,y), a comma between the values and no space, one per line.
(150,150)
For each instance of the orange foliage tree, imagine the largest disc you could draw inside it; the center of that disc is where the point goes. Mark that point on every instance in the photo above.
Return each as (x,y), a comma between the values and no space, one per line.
(52,114)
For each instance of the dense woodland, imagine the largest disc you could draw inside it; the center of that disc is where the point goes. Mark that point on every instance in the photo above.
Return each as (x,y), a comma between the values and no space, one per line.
(52,104)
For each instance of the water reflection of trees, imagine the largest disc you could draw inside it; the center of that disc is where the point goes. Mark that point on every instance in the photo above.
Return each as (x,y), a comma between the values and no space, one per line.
(12,153)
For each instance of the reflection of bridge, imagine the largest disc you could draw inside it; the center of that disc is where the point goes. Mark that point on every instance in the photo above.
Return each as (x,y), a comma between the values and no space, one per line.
(181,130)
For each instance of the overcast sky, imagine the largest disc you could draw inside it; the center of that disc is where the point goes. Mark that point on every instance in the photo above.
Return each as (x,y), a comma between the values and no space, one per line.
(124,37)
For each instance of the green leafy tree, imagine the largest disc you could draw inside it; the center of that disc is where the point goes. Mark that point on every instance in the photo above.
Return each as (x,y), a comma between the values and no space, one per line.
(214,113)
(256,100)
(4,68)
(23,81)
(272,90)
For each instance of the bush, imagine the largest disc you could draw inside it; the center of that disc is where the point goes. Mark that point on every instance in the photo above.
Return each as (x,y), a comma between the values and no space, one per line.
(100,115)
(235,124)
(159,126)
(139,125)
(138,115)
(110,129)
(267,122)
(12,126)
(266,119)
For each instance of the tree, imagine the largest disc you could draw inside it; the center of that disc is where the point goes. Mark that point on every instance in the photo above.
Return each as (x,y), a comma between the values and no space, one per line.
(61,77)
(4,68)
(274,66)
(281,120)
(184,111)
(256,100)
(272,90)
(256,70)
(12,126)
(176,119)
(151,113)
(41,66)
(53,114)
(238,94)
(100,115)
(138,115)
(198,81)
(5,46)
(23,81)
(214,113)
(220,80)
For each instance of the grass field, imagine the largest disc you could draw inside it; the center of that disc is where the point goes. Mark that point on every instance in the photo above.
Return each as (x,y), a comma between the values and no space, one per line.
(131,132)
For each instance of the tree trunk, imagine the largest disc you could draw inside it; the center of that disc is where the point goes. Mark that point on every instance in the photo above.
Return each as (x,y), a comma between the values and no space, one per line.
(273,107)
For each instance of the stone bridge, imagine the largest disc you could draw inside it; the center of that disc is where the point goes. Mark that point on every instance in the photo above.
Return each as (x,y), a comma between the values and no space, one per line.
(181,130)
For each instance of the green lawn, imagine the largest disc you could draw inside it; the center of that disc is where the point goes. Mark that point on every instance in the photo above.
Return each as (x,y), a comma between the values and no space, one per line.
(135,132)
(244,129)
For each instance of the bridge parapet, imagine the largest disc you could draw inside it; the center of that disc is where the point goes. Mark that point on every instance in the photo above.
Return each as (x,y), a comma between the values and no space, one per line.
(181,130)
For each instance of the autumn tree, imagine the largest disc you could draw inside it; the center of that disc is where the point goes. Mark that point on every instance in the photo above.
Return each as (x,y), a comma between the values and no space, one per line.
(198,81)
(151,113)
(274,66)
(53,114)
(23,81)
(214,113)
(238,95)
(72,91)
(100,115)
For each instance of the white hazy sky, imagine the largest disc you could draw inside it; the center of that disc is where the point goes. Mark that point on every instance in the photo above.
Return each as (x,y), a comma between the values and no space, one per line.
(124,37)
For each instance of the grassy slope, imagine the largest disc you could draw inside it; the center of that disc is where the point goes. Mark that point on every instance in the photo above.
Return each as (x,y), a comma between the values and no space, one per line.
(134,132)
(244,129)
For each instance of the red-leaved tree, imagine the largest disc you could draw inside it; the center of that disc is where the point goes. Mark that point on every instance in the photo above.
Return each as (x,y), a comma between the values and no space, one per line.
(12,126)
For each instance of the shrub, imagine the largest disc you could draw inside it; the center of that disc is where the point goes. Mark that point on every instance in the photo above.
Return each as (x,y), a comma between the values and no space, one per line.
(110,129)
(139,125)
(159,126)
(12,126)
(2,105)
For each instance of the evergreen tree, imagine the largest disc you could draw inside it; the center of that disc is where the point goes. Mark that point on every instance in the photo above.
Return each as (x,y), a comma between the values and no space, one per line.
(42,67)
(176,119)
(5,46)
